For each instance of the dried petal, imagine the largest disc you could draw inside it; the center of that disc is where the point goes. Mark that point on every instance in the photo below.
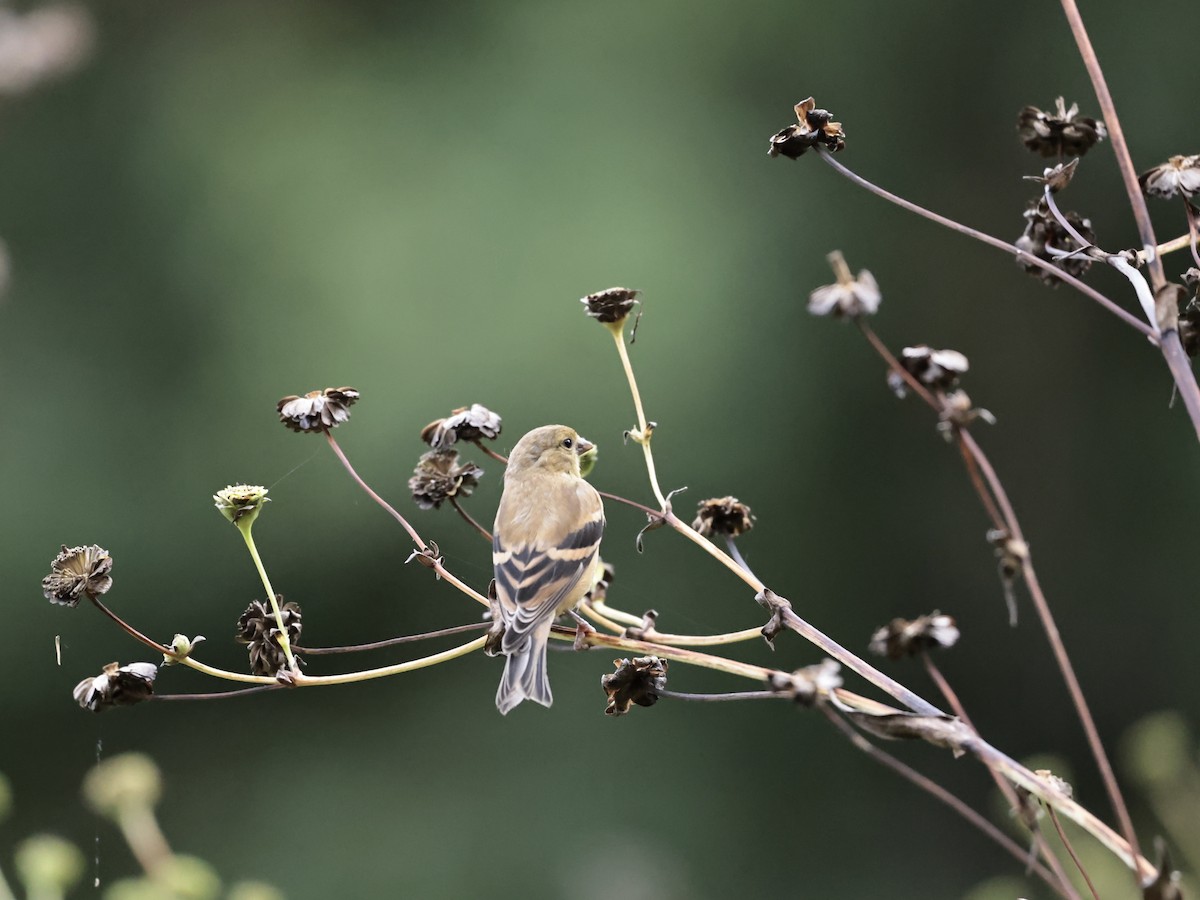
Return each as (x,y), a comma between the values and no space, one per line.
(611,305)
(849,297)
(814,128)
(723,515)
(439,476)
(637,681)
(257,628)
(317,411)
(1178,175)
(117,685)
(467,423)
(903,638)
(1061,133)
(77,572)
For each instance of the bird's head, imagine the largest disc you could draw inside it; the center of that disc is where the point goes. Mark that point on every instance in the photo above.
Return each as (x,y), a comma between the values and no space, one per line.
(551,448)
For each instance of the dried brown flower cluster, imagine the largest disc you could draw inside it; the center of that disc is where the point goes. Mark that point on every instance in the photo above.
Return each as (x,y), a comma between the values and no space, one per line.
(1062,132)
(810,684)
(902,637)
(257,628)
(317,411)
(1178,175)
(467,423)
(117,685)
(611,305)
(440,476)
(1044,233)
(937,369)
(723,515)
(814,128)
(637,680)
(78,572)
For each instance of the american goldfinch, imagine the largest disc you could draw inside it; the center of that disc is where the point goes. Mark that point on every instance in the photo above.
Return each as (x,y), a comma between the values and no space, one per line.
(544,549)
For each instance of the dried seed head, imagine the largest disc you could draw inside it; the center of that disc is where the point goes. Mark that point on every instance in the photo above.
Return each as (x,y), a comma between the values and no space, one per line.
(610,306)
(957,412)
(116,685)
(241,503)
(1043,234)
(723,515)
(637,681)
(1189,314)
(317,411)
(1057,177)
(903,638)
(938,369)
(814,128)
(257,628)
(1178,175)
(809,685)
(467,423)
(1060,133)
(439,476)
(77,572)
(849,297)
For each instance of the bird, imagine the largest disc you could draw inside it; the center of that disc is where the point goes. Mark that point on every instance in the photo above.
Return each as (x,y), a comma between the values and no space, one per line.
(545,552)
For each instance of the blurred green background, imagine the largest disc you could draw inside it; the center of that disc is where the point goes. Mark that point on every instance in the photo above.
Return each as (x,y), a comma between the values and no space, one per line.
(233,201)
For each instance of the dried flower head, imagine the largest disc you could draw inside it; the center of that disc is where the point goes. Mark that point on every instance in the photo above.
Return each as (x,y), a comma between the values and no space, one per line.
(810,684)
(439,476)
(957,412)
(850,296)
(116,685)
(1044,233)
(78,572)
(903,638)
(610,306)
(637,681)
(240,503)
(1189,314)
(317,410)
(723,515)
(939,369)
(814,128)
(1060,133)
(1178,175)
(257,628)
(1056,177)
(467,423)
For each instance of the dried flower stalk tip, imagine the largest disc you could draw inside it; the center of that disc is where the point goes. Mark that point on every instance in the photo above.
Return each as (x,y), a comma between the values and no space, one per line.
(637,681)
(850,296)
(1178,175)
(903,638)
(1044,233)
(467,423)
(117,685)
(181,648)
(610,306)
(1060,133)
(723,515)
(810,684)
(257,628)
(957,412)
(814,128)
(240,503)
(439,476)
(1057,177)
(77,572)
(317,410)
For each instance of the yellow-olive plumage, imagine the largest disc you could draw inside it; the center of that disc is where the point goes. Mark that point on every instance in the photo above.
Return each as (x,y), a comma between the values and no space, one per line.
(545,550)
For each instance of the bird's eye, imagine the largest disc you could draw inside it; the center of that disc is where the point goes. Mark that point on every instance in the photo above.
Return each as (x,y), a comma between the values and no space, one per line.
(567,442)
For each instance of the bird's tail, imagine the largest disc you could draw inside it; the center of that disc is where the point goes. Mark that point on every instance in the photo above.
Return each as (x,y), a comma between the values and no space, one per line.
(525,675)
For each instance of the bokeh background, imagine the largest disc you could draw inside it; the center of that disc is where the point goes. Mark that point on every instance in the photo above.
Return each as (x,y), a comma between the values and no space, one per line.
(233,201)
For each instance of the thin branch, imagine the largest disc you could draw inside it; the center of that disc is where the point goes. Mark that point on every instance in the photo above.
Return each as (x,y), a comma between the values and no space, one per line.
(1062,836)
(719,698)
(487,535)
(220,695)
(392,642)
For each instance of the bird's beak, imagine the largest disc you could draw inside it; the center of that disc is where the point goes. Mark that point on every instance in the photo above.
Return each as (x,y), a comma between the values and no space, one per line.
(583,445)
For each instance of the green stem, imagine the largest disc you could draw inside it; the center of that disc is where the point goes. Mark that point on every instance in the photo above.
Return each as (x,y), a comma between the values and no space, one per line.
(369,674)
(284,642)
(144,837)
(618,333)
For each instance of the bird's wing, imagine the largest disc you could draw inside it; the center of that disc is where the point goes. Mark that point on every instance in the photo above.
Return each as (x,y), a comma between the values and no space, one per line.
(538,575)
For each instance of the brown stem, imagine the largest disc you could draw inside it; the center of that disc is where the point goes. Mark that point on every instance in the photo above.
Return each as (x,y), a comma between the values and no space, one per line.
(392,642)
(1006,789)
(996,242)
(1062,836)
(490,452)
(1137,202)
(896,366)
(487,535)
(1190,211)
(1056,643)
(731,696)
(940,793)
(985,496)
(219,695)
(130,630)
(412,532)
